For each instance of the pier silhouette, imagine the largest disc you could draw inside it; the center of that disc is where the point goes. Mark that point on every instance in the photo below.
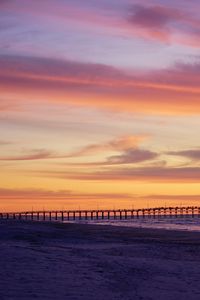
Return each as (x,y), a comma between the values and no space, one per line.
(103,214)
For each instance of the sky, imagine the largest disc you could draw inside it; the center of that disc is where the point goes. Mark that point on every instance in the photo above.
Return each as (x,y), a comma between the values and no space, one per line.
(99,104)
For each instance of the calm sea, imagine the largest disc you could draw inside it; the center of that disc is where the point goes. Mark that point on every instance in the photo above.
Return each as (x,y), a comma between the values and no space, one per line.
(186,223)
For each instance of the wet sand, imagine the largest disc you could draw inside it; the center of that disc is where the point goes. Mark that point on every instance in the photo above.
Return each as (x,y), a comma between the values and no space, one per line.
(72,261)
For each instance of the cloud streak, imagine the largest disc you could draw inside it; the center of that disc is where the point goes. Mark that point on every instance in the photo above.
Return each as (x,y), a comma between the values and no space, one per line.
(29,194)
(193,154)
(117,144)
(65,199)
(165,91)
(132,156)
(33,155)
(155,21)
(140,174)
(39,194)
(126,144)
(4,143)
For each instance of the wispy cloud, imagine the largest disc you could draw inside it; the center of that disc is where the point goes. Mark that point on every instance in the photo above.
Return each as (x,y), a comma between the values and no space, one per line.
(30,194)
(32,155)
(126,144)
(193,154)
(157,17)
(130,156)
(39,199)
(156,21)
(103,86)
(139,174)
(133,156)
(4,143)
(166,23)
(118,144)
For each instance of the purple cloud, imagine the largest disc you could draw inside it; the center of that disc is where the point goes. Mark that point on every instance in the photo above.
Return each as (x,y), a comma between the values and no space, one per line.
(192,154)
(153,16)
(132,156)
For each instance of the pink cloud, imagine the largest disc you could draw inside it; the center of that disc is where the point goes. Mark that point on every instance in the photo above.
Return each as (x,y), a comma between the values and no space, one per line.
(164,91)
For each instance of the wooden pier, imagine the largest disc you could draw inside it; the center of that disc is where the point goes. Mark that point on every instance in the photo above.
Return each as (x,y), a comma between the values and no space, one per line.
(114,214)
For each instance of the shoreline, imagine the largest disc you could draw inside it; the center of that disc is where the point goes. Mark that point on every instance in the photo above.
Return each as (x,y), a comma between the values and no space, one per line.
(172,226)
(96,228)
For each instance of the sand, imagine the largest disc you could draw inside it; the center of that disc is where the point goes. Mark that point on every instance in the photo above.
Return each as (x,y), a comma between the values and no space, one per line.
(71,261)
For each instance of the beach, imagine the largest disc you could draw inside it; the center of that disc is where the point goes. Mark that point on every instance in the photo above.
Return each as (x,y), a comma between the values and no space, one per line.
(41,260)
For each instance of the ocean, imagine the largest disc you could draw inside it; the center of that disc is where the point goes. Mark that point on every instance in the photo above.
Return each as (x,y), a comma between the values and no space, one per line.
(186,223)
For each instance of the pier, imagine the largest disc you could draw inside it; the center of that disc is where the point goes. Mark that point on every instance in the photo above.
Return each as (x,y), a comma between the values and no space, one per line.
(103,214)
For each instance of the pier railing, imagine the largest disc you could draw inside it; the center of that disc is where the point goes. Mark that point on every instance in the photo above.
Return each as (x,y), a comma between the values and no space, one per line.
(114,214)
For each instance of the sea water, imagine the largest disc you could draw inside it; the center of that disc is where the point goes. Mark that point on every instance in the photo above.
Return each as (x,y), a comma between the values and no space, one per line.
(186,223)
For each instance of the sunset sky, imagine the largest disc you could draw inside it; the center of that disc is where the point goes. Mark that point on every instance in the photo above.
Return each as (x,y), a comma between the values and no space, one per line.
(99,104)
